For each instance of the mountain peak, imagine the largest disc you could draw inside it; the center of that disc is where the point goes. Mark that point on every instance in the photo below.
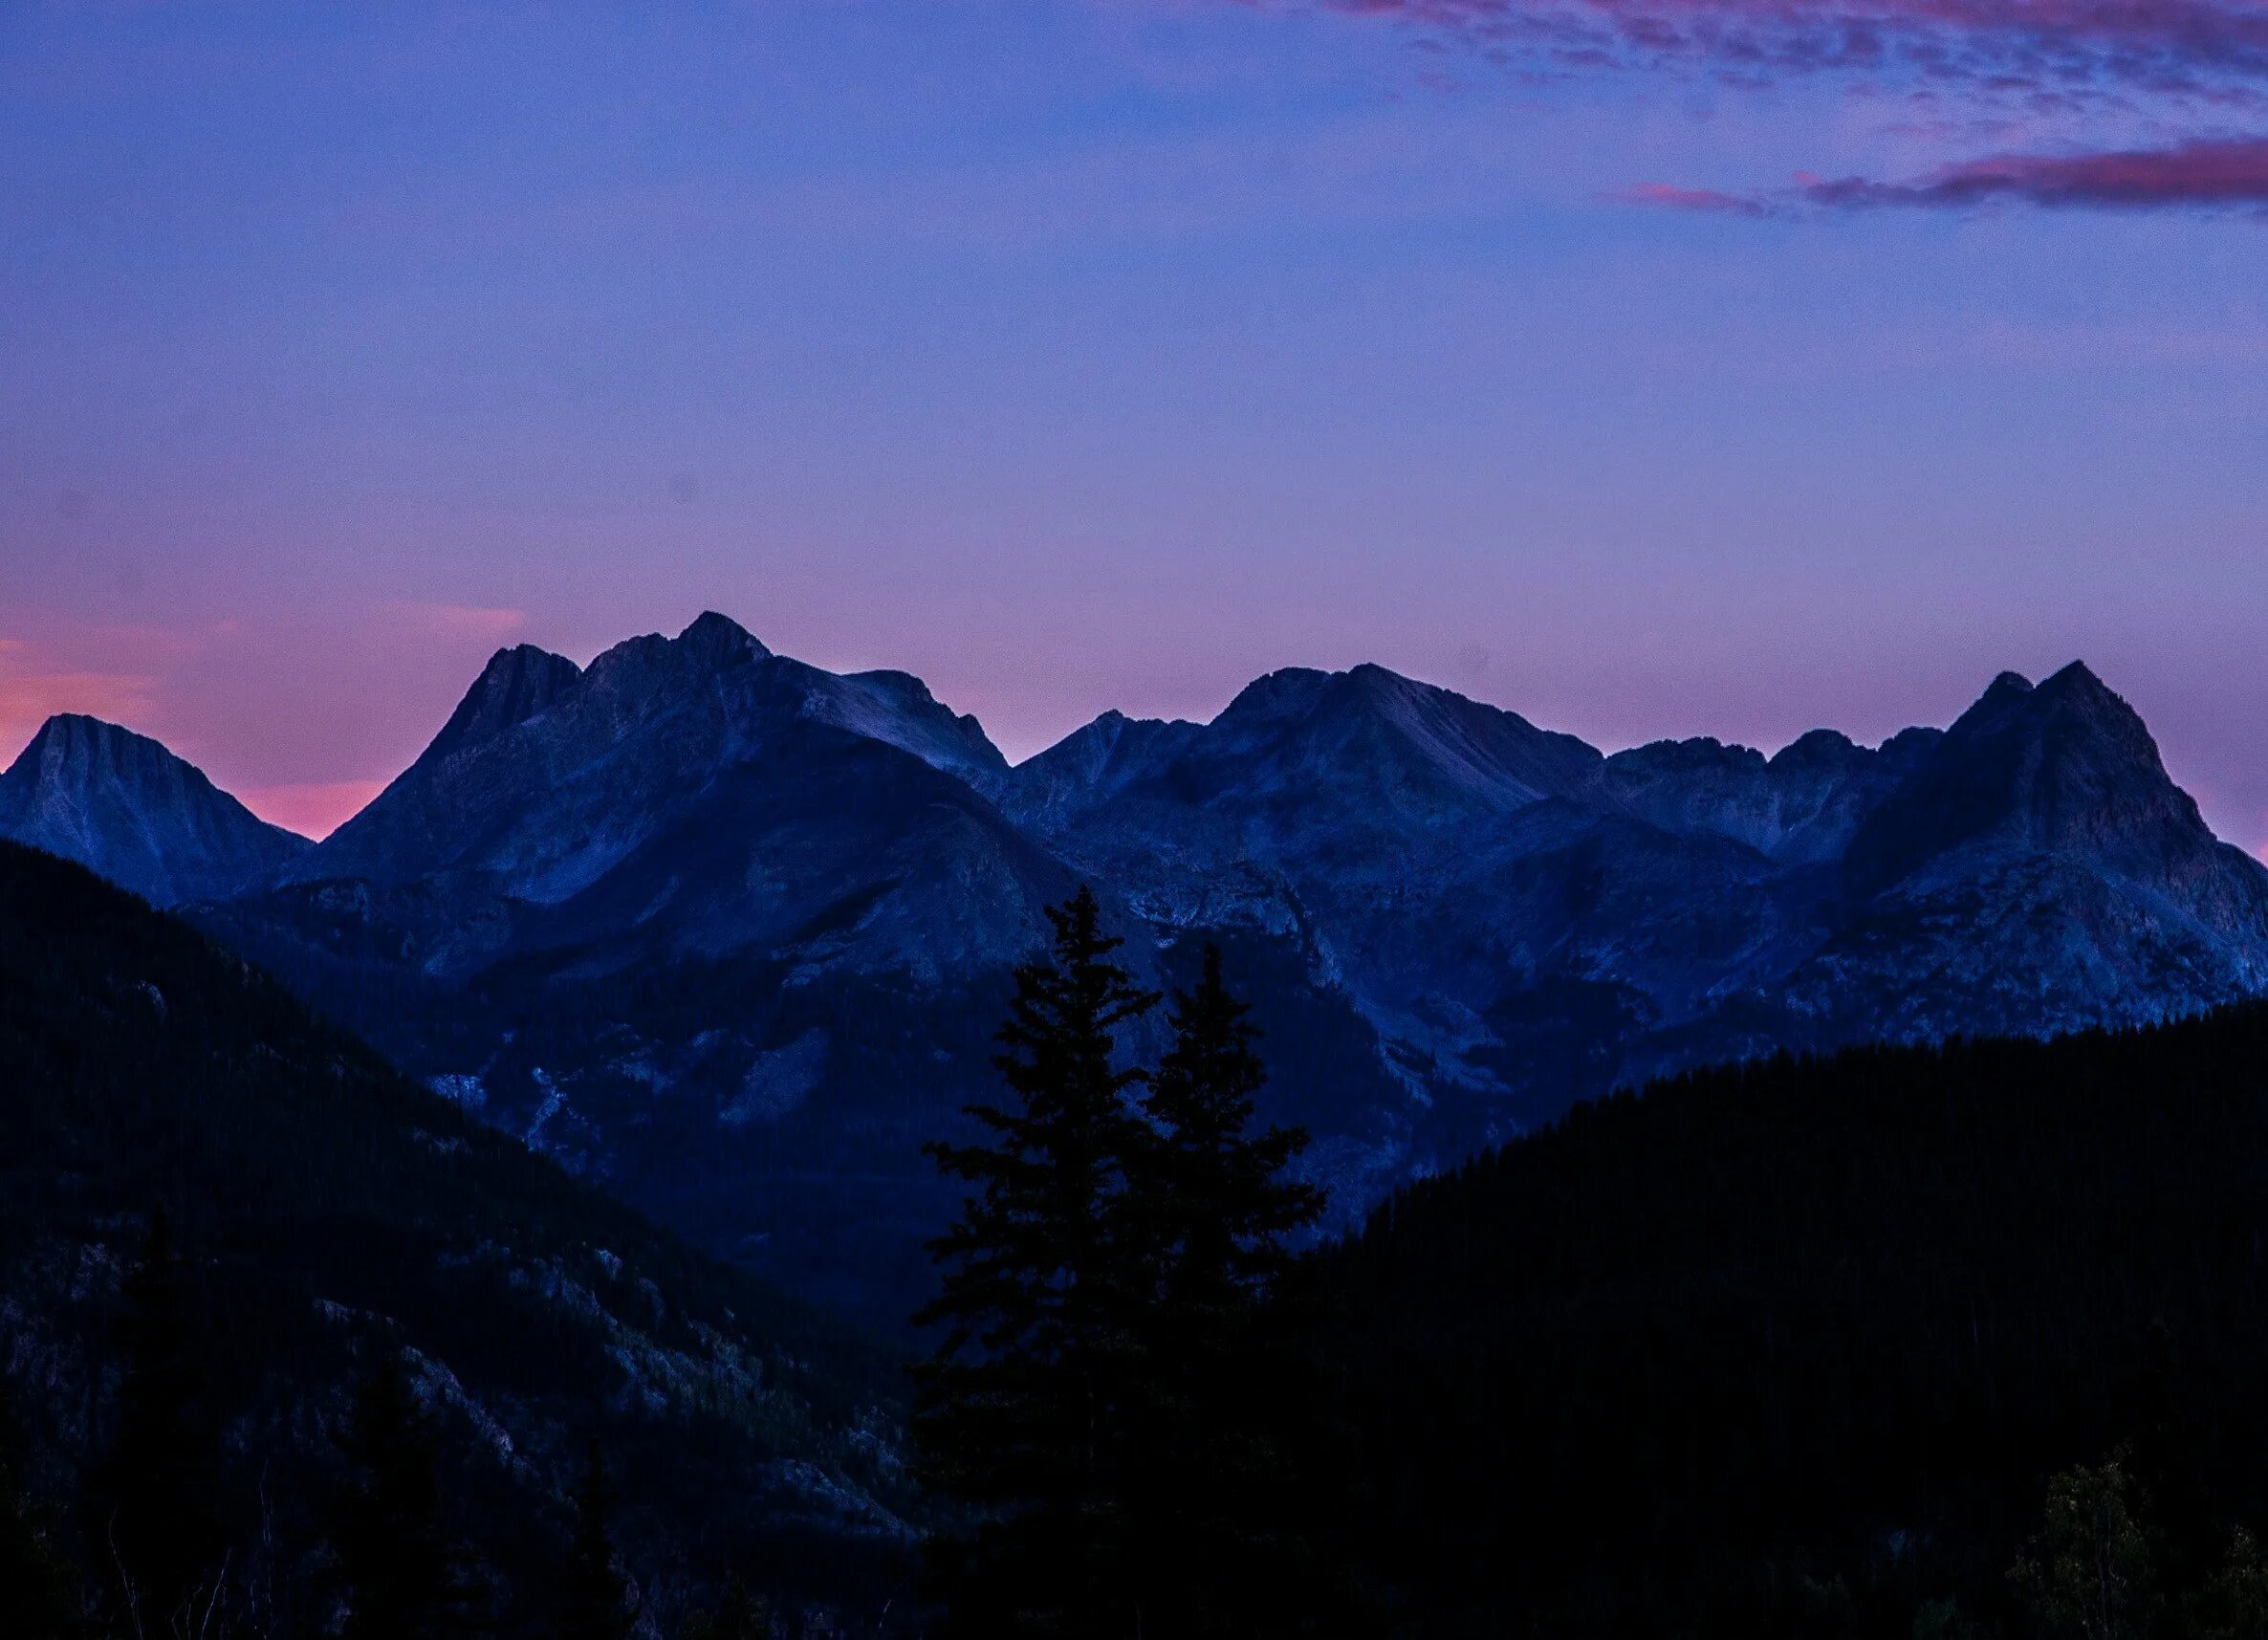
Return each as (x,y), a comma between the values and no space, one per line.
(516,685)
(2066,767)
(126,806)
(1373,675)
(1285,692)
(71,746)
(74,734)
(720,640)
(1814,748)
(2077,681)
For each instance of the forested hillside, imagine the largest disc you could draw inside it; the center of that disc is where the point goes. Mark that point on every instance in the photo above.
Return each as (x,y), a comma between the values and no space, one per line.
(1794,1346)
(329,1219)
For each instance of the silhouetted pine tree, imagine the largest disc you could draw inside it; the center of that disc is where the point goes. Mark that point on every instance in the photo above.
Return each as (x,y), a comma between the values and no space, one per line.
(1216,1209)
(152,1522)
(35,1581)
(396,1571)
(593,1595)
(1023,1412)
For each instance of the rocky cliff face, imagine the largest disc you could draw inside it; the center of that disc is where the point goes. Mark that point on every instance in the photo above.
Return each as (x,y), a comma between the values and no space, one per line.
(123,804)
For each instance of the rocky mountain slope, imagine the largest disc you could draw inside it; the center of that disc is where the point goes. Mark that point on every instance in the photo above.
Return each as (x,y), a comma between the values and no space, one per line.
(731,933)
(700,919)
(122,803)
(1522,922)
(332,1214)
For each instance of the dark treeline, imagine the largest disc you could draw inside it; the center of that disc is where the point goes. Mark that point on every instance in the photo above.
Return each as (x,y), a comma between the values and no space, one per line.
(1796,1347)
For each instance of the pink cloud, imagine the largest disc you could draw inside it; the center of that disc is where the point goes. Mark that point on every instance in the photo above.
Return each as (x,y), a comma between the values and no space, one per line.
(2168,64)
(460,620)
(2203,174)
(1706,201)
(2193,174)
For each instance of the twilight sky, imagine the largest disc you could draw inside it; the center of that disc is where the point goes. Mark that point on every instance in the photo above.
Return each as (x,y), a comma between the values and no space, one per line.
(1649,367)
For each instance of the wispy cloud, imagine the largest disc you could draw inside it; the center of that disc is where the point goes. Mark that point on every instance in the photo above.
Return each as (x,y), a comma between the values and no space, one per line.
(458,620)
(2193,175)
(2065,48)
(2178,69)
(1708,202)
(2199,175)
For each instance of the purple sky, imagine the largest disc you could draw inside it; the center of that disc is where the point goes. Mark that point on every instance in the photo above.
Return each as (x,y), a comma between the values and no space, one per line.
(1649,367)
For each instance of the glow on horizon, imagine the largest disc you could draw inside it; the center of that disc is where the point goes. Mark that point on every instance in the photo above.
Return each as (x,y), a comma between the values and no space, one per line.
(440,637)
(1077,354)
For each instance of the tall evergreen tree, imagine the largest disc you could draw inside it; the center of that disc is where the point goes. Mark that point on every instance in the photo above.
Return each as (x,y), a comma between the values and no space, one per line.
(398,1573)
(1218,1190)
(1216,1211)
(1023,1412)
(593,1594)
(152,1515)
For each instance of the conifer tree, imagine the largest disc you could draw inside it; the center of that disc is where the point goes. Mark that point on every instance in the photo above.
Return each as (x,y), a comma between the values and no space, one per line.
(1216,1211)
(593,1595)
(399,1575)
(1023,1412)
(151,1516)
(1217,1189)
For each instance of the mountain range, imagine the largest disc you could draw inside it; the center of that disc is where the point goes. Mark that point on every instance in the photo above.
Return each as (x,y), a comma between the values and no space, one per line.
(731,933)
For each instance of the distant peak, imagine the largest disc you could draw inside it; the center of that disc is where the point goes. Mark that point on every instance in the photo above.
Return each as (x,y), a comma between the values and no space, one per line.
(1911,741)
(1696,752)
(69,736)
(2008,698)
(519,660)
(2075,687)
(75,723)
(2076,679)
(1816,746)
(1384,682)
(135,811)
(720,639)
(516,683)
(1285,691)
